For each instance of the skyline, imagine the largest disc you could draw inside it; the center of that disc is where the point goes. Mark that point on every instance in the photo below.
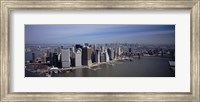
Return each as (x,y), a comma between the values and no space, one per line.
(99,33)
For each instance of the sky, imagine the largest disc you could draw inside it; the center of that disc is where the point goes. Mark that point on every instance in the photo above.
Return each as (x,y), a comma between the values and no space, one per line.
(99,33)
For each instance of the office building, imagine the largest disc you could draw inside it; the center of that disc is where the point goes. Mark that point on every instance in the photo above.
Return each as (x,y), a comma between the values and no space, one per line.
(86,56)
(65,58)
(110,53)
(59,50)
(118,51)
(93,56)
(72,56)
(102,49)
(102,57)
(93,48)
(78,59)
(77,46)
(107,56)
(59,65)
(72,50)
(55,59)
(55,50)
(97,56)
(51,58)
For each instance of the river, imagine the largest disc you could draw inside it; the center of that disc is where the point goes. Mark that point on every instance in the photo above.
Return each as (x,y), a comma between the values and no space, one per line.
(143,67)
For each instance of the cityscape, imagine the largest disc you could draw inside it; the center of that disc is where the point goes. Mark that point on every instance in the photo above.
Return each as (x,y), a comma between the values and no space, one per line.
(97,50)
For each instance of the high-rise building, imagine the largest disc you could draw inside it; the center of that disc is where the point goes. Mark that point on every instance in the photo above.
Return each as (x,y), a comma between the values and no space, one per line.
(59,50)
(118,51)
(102,49)
(51,58)
(93,56)
(55,50)
(110,53)
(93,48)
(59,65)
(86,56)
(72,49)
(107,56)
(48,52)
(97,56)
(93,53)
(77,46)
(102,57)
(65,58)
(72,59)
(55,59)
(78,59)
(72,56)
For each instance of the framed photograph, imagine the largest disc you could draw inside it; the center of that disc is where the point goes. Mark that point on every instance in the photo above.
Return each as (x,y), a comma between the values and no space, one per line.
(100,50)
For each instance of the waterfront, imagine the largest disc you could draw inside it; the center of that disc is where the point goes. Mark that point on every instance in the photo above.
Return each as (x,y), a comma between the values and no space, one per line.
(144,67)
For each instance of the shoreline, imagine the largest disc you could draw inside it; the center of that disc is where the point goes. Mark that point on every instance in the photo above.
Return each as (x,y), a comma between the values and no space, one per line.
(93,67)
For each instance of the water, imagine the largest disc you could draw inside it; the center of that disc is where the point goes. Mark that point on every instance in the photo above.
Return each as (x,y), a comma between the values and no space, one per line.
(144,67)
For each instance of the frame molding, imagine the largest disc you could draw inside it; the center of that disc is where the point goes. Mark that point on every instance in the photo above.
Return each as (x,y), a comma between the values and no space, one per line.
(6,6)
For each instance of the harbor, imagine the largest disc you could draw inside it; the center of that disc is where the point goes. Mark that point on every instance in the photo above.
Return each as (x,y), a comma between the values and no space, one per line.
(146,66)
(55,70)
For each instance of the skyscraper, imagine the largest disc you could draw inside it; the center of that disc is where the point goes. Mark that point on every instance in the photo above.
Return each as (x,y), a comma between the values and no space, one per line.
(118,51)
(55,59)
(77,46)
(51,58)
(86,56)
(65,58)
(97,56)
(110,53)
(102,49)
(72,56)
(59,65)
(93,56)
(78,59)
(102,57)
(107,56)
(59,50)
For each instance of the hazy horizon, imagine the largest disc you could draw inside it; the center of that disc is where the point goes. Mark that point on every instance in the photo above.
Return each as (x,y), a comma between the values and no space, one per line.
(99,33)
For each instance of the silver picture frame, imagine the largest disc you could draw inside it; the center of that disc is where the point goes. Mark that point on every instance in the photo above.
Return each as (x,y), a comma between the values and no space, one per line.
(6,7)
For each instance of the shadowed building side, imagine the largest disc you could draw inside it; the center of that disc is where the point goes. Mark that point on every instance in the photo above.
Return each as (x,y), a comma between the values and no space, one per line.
(97,56)
(86,56)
